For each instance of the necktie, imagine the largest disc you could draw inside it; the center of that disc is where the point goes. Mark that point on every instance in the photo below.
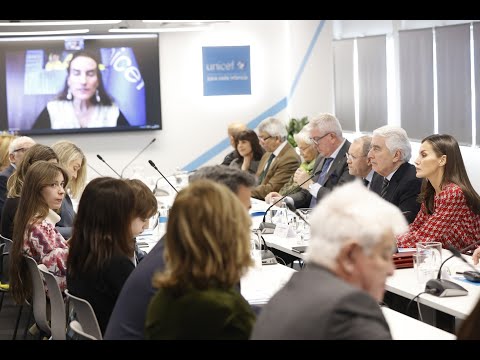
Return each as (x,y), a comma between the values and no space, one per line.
(321,178)
(366,182)
(385,184)
(265,171)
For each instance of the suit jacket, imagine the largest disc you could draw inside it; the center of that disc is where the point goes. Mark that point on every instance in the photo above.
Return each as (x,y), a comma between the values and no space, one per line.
(4,175)
(315,304)
(337,174)
(284,166)
(402,190)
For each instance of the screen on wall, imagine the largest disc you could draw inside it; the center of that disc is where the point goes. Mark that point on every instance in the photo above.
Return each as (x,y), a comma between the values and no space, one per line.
(75,84)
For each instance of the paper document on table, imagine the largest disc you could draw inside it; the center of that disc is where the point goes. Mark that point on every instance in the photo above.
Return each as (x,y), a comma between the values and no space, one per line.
(258,286)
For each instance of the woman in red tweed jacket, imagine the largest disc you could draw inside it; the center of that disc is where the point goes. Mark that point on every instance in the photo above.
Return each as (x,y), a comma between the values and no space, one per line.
(450,210)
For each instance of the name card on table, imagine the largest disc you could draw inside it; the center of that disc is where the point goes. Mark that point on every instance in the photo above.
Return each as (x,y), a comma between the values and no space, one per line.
(284,231)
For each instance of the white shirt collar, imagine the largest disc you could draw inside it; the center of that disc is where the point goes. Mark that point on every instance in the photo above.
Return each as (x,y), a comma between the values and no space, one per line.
(335,153)
(370,176)
(279,148)
(52,217)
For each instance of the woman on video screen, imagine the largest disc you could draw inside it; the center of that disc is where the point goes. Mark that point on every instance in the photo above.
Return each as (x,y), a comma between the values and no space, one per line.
(83,103)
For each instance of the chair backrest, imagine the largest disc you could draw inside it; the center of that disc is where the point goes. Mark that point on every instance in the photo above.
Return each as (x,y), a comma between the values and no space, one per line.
(39,297)
(78,331)
(5,249)
(57,305)
(85,315)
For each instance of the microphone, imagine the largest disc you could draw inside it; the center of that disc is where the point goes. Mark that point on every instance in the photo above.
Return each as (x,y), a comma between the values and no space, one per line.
(98,156)
(265,225)
(292,208)
(446,288)
(153,165)
(268,258)
(91,167)
(141,151)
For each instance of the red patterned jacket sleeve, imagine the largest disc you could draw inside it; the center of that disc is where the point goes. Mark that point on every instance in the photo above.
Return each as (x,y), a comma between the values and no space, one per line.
(48,247)
(452,222)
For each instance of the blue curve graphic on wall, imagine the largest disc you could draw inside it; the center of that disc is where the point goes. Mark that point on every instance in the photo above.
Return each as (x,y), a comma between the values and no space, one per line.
(275,109)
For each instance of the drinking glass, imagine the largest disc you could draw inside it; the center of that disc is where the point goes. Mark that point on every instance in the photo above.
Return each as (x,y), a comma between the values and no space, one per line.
(305,212)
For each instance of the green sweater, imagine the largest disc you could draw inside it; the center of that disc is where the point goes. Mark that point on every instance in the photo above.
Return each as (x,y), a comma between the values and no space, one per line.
(291,185)
(208,314)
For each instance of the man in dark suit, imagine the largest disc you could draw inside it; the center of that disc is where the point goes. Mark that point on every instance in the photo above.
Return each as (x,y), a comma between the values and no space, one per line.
(336,296)
(280,160)
(331,167)
(16,152)
(395,179)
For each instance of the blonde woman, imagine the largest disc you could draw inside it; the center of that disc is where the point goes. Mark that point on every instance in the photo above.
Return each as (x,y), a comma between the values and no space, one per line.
(5,140)
(72,158)
(207,250)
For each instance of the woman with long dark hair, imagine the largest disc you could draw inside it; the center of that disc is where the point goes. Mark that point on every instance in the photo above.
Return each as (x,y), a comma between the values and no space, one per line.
(102,245)
(248,151)
(34,232)
(450,206)
(83,102)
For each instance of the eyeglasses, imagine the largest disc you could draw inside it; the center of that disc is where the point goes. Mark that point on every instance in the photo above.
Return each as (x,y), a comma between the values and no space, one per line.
(351,157)
(264,139)
(317,139)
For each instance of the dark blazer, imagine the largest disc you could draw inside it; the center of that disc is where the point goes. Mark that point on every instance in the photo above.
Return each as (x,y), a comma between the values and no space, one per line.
(315,304)
(280,170)
(337,174)
(8,215)
(4,175)
(402,190)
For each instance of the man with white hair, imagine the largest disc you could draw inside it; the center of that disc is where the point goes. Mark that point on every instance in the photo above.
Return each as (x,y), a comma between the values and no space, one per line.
(16,152)
(395,179)
(336,295)
(331,165)
(280,160)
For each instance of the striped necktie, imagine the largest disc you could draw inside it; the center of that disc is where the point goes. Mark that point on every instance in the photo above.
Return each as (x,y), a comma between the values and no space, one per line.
(265,171)
(321,178)
(385,184)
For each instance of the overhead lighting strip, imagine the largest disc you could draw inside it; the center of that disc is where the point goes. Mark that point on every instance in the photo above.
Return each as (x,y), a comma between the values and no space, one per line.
(59,23)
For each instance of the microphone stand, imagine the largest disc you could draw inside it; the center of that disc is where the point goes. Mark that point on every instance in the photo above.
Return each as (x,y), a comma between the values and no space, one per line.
(293,209)
(264,224)
(98,156)
(446,288)
(155,167)
(141,151)
(268,258)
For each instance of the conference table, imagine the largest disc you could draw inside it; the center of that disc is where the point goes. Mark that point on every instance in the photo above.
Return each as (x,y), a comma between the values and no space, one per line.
(260,283)
(404,282)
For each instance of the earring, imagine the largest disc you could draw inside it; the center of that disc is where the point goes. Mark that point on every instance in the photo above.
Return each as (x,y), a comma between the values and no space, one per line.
(69,95)
(97,96)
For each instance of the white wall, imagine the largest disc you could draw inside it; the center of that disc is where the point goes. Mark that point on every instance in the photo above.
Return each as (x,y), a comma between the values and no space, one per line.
(192,123)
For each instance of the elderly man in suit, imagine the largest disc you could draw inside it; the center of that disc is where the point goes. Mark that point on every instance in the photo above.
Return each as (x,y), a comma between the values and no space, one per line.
(336,295)
(279,161)
(357,159)
(16,152)
(395,179)
(330,167)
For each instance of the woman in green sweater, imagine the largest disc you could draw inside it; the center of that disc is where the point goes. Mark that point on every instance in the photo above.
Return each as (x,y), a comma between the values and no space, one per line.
(207,250)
